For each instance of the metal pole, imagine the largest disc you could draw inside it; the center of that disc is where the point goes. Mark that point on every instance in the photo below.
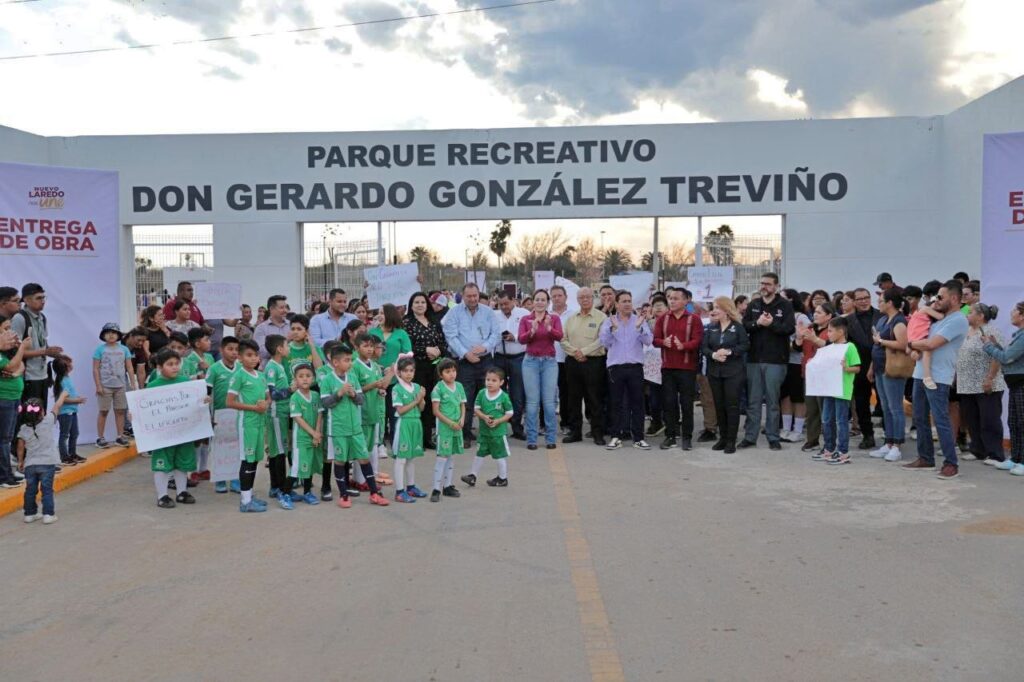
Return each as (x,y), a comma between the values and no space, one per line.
(655,260)
(699,253)
(380,243)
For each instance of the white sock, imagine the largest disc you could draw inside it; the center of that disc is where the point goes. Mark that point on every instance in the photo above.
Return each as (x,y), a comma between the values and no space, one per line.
(204,457)
(399,474)
(503,467)
(478,462)
(410,472)
(161,479)
(375,459)
(798,424)
(449,472)
(246,496)
(180,480)
(439,467)
(787,419)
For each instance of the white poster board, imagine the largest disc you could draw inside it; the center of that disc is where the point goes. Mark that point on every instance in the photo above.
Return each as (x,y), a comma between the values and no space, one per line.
(224,450)
(169,415)
(77,262)
(477,277)
(825,372)
(708,282)
(636,283)
(219,300)
(543,279)
(392,284)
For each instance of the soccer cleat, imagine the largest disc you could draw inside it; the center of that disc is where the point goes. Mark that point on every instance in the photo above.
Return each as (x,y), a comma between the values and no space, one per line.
(435,496)
(344,502)
(235,486)
(29,518)
(403,497)
(498,482)
(414,491)
(310,499)
(451,491)
(285,501)
(49,518)
(326,496)
(613,444)
(185,498)
(166,502)
(273,493)
(379,500)
(352,492)
(363,487)
(220,487)
(641,445)
(251,507)
(470,480)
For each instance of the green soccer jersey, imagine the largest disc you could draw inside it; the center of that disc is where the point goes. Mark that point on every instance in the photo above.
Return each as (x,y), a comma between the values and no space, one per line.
(278,379)
(450,399)
(496,407)
(307,408)
(373,403)
(345,418)
(400,395)
(218,377)
(190,365)
(161,380)
(250,388)
(323,372)
(298,355)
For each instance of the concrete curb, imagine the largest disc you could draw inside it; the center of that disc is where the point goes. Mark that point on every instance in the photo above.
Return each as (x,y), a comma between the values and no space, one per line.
(102,461)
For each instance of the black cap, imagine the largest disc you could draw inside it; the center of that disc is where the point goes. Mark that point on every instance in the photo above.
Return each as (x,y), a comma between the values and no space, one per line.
(884,277)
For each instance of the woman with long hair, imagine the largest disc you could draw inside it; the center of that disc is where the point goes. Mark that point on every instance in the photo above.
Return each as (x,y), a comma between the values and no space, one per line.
(1011,357)
(725,344)
(158,334)
(890,333)
(539,332)
(396,343)
(428,347)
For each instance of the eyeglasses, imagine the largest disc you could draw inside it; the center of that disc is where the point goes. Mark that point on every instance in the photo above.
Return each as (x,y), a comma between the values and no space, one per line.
(862,298)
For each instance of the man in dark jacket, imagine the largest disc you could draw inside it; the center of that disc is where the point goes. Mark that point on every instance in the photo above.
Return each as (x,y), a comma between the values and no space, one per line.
(769,323)
(862,321)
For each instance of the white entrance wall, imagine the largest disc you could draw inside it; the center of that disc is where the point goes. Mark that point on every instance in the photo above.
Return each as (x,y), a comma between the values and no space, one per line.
(902,194)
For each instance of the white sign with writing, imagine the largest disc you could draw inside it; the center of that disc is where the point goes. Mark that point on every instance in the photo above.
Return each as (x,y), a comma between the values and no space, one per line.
(708,282)
(825,372)
(169,415)
(392,284)
(543,279)
(477,277)
(219,300)
(636,283)
(225,450)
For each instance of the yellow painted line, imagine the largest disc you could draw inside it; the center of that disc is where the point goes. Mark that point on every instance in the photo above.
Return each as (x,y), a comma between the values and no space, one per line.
(602,654)
(12,499)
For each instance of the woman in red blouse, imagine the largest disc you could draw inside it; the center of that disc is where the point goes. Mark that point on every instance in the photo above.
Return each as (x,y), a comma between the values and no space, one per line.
(539,332)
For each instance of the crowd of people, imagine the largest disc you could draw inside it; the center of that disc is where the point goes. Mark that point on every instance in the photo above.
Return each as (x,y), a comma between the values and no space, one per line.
(337,389)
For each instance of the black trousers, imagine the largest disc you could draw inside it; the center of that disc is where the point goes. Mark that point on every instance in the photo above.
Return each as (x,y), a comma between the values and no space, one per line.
(678,388)
(862,396)
(626,389)
(426,376)
(982,413)
(726,392)
(471,376)
(586,384)
(563,396)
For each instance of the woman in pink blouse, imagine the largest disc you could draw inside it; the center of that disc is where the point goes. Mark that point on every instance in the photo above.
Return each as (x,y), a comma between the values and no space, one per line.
(539,332)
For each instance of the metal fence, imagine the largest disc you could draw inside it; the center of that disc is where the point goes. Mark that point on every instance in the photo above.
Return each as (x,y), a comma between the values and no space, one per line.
(332,263)
(161,251)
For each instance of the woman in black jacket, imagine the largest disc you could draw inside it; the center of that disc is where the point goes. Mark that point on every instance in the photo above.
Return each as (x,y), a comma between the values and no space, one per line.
(725,344)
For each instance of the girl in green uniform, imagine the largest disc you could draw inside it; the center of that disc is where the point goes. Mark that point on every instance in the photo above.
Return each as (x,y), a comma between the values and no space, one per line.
(449,403)
(408,400)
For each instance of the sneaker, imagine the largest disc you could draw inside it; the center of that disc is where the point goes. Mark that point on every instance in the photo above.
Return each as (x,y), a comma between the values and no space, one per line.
(18,476)
(744,444)
(810,447)
(378,499)
(655,429)
(220,487)
(451,491)
(784,436)
(166,502)
(470,480)
(435,496)
(948,471)
(67,463)
(258,502)
(668,443)
(404,497)
(102,443)
(880,452)
(344,502)
(310,499)
(1005,465)
(796,436)
(919,465)
(774,445)
(707,436)
(173,485)
(251,508)
(49,518)
(12,483)
(641,445)
(686,444)
(235,486)
(894,454)
(326,496)
(414,491)
(1017,470)
(839,458)
(29,518)
(822,454)
(613,444)
(185,498)
(498,482)
(273,493)
(991,462)
(719,445)
(285,501)
(123,442)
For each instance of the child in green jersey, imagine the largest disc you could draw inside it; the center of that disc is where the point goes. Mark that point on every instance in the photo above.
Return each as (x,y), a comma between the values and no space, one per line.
(218,376)
(176,460)
(408,400)
(373,382)
(494,409)
(198,360)
(248,393)
(300,348)
(449,401)
(278,426)
(307,431)
(342,399)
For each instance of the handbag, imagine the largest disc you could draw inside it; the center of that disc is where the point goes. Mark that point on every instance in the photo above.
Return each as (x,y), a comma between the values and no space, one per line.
(898,365)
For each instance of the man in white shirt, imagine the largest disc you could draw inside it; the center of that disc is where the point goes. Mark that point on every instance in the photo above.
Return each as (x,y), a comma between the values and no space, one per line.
(508,355)
(560,308)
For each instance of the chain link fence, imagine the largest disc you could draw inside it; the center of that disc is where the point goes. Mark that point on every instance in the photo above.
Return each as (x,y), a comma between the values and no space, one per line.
(162,253)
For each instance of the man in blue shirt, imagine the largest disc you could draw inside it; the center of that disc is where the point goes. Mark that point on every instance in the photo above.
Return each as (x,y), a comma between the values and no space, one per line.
(472,333)
(944,340)
(327,326)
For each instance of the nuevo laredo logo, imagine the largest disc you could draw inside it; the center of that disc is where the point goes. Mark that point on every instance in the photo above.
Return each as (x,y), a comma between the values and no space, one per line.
(46,197)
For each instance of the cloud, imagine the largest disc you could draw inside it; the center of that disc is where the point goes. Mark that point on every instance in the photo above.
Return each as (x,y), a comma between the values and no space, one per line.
(339,46)
(224,72)
(383,35)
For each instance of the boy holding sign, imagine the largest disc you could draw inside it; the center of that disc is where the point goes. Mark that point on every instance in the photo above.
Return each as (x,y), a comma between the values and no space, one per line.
(176,460)
(835,412)
(248,393)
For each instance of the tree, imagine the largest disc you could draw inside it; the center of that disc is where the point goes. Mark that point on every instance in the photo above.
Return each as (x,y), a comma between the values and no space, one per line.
(719,244)
(615,261)
(423,256)
(499,239)
(647,261)
(478,261)
(587,261)
(537,252)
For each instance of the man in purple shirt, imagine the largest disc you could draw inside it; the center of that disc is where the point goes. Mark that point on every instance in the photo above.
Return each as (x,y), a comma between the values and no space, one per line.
(624,334)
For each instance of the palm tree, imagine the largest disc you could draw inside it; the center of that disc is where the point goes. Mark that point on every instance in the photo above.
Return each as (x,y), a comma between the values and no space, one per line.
(422,255)
(647,261)
(499,239)
(616,261)
(719,243)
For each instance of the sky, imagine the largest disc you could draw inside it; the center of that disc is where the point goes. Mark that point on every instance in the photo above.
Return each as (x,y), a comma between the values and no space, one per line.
(562,62)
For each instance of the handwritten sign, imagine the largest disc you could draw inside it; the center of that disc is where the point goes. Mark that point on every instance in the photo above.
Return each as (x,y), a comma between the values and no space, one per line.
(825,372)
(710,281)
(224,451)
(392,284)
(169,415)
(219,300)
(636,283)
(543,279)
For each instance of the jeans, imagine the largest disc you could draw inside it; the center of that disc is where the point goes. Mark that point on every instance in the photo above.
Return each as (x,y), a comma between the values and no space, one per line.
(764,382)
(471,376)
(835,415)
(934,404)
(39,476)
(8,422)
(67,443)
(677,388)
(626,389)
(540,379)
(890,394)
(726,392)
(513,368)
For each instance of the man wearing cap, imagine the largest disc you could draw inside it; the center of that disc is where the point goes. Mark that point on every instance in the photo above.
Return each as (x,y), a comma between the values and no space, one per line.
(884,283)
(31,322)
(438,306)
(111,364)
